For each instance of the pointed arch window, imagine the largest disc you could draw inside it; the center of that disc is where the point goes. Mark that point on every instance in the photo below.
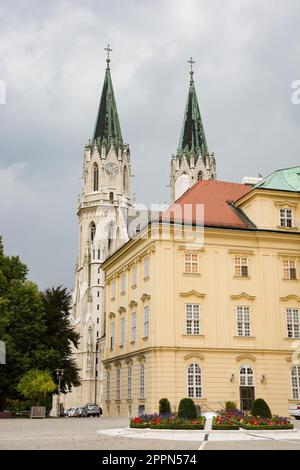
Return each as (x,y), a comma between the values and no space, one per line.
(95,177)
(200,176)
(125,178)
(92,231)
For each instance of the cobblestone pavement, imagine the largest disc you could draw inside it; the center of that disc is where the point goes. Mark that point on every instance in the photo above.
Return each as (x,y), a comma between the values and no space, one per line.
(75,434)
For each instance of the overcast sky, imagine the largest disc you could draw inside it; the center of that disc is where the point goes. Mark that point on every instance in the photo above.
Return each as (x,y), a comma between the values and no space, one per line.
(52,61)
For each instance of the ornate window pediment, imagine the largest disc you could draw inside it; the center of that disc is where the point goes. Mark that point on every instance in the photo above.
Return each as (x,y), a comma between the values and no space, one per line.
(245,357)
(145,297)
(194,357)
(242,295)
(192,292)
(122,310)
(141,358)
(111,315)
(132,304)
(290,297)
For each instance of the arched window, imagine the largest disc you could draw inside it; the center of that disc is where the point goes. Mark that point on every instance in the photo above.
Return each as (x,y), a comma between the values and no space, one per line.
(111,197)
(194,382)
(295,377)
(92,231)
(125,178)
(200,176)
(246,376)
(95,177)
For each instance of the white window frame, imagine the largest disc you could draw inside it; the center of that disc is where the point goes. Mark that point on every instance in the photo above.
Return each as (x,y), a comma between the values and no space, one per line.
(118,383)
(146,321)
(191,263)
(295,382)
(194,381)
(246,377)
(142,381)
(146,266)
(107,385)
(286,217)
(289,269)
(122,282)
(293,322)
(122,331)
(192,319)
(241,266)
(243,320)
(133,326)
(133,275)
(112,335)
(129,383)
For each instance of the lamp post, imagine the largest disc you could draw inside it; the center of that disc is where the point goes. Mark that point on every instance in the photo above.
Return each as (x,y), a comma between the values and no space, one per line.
(59,375)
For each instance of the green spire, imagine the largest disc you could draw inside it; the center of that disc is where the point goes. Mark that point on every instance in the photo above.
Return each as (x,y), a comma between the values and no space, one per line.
(108,127)
(192,133)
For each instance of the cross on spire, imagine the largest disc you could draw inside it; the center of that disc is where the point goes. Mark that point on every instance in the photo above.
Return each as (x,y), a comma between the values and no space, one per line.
(191,61)
(108,50)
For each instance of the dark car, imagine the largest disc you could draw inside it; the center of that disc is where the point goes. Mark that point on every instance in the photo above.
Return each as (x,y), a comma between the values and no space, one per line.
(93,410)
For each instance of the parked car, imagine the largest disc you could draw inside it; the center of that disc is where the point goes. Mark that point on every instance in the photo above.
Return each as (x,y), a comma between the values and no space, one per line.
(66,411)
(81,412)
(294,410)
(93,410)
(72,412)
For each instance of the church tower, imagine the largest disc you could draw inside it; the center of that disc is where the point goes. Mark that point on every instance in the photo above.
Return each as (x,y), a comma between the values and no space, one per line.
(102,217)
(192,162)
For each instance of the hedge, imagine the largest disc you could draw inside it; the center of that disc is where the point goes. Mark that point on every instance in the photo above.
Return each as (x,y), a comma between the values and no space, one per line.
(263,427)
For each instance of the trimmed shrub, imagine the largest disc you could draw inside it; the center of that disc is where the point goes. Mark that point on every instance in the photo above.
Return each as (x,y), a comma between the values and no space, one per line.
(230,406)
(164,406)
(187,409)
(261,408)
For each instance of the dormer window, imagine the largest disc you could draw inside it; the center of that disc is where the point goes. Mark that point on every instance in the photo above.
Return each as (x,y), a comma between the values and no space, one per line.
(286,218)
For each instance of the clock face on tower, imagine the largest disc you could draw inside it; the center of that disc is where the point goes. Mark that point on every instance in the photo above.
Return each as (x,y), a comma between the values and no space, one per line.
(111,169)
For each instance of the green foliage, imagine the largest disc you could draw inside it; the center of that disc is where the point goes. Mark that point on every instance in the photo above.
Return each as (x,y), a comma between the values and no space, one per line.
(36,384)
(230,406)
(261,408)
(187,409)
(164,406)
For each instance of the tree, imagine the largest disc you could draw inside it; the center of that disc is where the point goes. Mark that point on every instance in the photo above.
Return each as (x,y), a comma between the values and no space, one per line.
(164,406)
(261,408)
(60,335)
(187,409)
(36,385)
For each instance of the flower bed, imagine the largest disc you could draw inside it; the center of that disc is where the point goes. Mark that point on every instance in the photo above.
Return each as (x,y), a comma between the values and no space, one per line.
(168,421)
(246,421)
(220,423)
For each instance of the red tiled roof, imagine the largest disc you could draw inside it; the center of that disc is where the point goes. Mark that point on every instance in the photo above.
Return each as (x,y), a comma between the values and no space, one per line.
(216,196)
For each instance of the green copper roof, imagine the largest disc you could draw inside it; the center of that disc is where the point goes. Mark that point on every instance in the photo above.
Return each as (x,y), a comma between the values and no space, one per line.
(108,127)
(287,179)
(192,133)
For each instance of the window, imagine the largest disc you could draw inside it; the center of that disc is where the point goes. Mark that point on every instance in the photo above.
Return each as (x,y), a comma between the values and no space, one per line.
(97,306)
(289,269)
(133,275)
(98,294)
(133,326)
(292,321)
(112,335)
(192,318)
(286,218)
(113,289)
(122,283)
(194,381)
(99,254)
(122,332)
(95,177)
(246,376)
(295,376)
(200,176)
(241,266)
(146,322)
(111,197)
(97,320)
(190,263)
(146,266)
(118,384)
(129,383)
(142,381)
(92,231)
(243,321)
(108,385)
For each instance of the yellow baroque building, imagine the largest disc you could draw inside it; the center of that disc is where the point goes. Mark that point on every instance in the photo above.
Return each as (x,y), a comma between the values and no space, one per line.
(205,301)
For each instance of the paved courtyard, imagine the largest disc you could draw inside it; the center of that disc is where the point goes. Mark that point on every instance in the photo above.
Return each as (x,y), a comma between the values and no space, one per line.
(82,434)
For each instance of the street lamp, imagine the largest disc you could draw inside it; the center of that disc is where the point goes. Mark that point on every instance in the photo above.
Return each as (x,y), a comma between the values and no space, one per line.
(59,375)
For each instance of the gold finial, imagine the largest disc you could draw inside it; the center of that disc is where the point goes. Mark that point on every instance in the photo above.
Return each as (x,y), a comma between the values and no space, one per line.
(108,50)
(191,61)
